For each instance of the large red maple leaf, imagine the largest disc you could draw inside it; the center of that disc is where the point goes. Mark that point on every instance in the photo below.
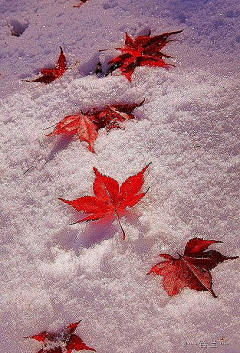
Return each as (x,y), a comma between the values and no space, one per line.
(63,342)
(86,125)
(191,269)
(110,199)
(141,51)
(49,75)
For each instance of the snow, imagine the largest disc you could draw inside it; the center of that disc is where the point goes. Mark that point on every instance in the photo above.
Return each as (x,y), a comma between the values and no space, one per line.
(54,273)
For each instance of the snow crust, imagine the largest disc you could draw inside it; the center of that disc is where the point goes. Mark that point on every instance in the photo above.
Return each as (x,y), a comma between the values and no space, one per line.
(53,273)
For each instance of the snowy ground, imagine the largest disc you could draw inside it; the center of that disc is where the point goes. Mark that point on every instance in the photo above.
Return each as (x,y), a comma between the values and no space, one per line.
(53,273)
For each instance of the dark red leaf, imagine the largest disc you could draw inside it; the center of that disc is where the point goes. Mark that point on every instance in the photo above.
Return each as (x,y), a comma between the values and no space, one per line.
(65,341)
(49,75)
(192,269)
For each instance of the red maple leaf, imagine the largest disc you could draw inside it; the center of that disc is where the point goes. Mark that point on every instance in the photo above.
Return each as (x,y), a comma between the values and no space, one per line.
(191,269)
(49,75)
(112,116)
(64,341)
(86,125)
(141,51)
(79,124)
(110,199)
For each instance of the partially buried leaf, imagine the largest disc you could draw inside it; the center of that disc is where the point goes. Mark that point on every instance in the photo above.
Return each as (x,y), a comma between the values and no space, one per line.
(87,125)
(63,342)
(112,116)
(49,75)
(191,269)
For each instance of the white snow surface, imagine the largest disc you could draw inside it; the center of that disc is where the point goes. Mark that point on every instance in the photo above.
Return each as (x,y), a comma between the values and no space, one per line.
(53,273)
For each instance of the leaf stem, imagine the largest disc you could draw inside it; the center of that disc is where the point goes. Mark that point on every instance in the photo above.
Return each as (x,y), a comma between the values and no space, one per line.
(26,171)
(118,218)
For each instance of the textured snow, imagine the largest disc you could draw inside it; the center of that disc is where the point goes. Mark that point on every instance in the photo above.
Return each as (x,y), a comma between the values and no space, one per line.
(53,273)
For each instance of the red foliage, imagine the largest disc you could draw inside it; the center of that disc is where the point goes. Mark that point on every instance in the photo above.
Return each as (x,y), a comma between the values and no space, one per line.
(110,199)
(86,125)
(49,75)
(142,51)
(192,269)
(64,341)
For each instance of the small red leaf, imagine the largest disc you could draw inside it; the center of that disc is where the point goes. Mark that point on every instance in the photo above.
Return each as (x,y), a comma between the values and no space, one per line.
(65,341)
(49,75)
(76,343)
(192,269)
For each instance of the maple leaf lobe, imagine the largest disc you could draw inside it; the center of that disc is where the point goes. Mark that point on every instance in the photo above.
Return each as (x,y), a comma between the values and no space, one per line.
(76,343)
(81,3)
(197,245)
(41,337)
